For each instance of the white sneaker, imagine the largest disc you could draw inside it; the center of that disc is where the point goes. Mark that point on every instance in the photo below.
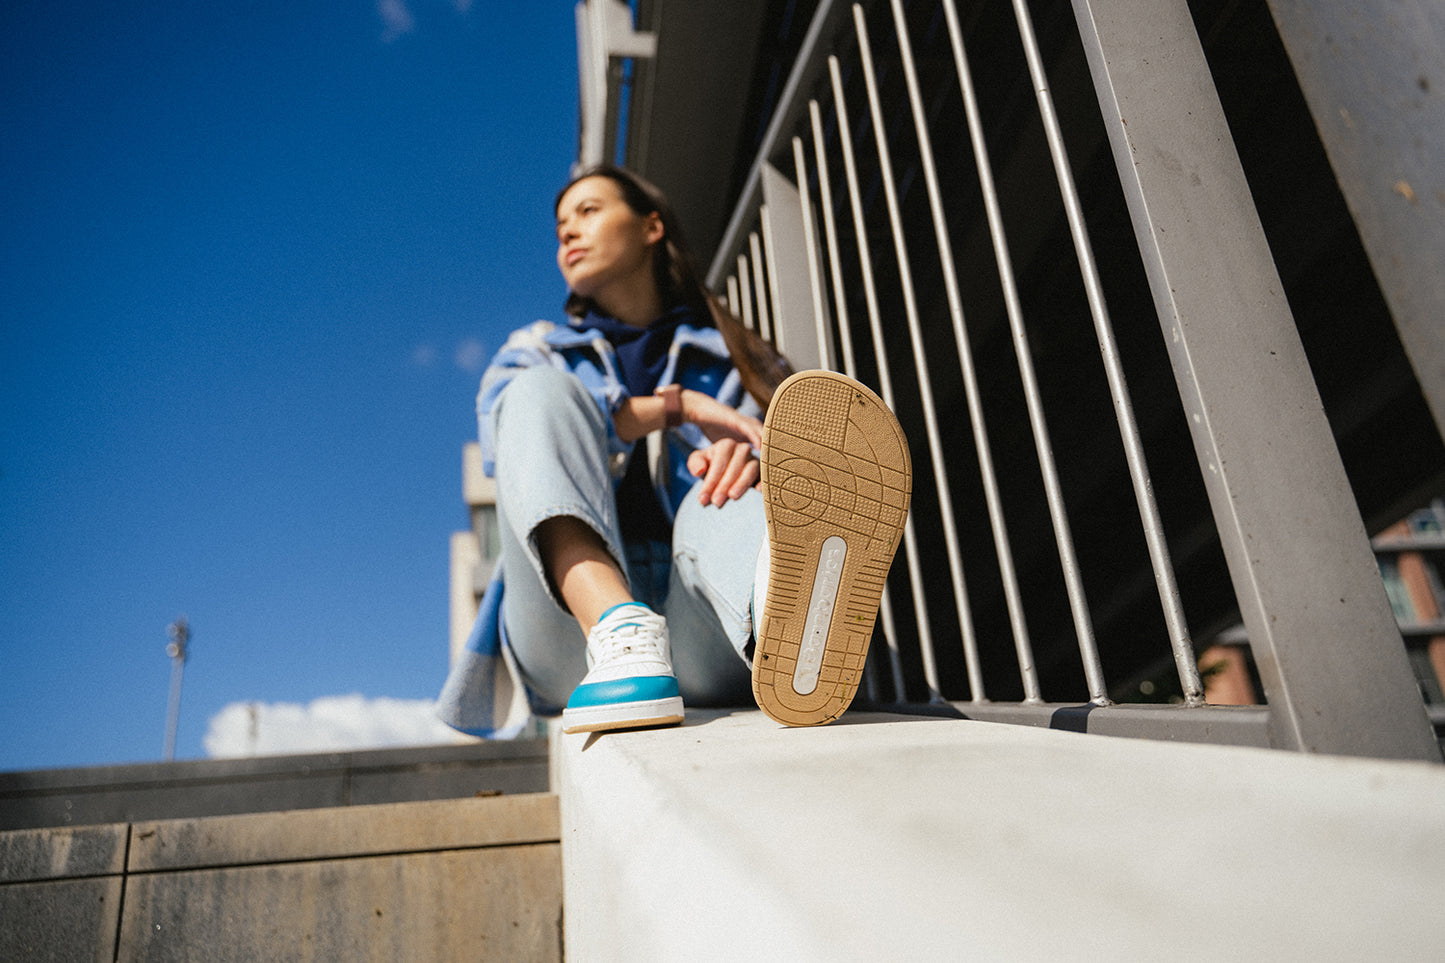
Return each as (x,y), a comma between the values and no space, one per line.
(629,682)
(836,481)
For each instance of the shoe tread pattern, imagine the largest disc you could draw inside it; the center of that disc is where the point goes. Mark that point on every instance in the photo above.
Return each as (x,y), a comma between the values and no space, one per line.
(835,462)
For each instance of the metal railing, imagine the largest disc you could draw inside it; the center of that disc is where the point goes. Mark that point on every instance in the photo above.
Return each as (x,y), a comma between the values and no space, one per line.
(883,194)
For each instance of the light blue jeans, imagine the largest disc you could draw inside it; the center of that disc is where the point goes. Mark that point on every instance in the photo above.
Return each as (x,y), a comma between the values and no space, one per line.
(551,442)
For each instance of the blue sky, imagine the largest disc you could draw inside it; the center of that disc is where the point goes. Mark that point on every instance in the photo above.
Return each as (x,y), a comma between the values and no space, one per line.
(254,256)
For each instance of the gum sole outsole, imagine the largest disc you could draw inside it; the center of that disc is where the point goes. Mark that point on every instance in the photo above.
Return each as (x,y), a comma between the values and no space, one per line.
(835,464)
(605,717)
(667,720)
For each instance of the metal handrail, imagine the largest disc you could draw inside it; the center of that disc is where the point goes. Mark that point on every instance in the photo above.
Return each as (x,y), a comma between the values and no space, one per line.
(1310,707)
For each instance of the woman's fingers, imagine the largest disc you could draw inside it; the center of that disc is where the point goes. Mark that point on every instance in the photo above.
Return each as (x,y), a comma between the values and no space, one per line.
(727,469)
(717,467)
(697,462)
(741,475)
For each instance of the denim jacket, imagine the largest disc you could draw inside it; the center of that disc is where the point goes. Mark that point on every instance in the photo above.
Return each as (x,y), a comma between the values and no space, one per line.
(484,695)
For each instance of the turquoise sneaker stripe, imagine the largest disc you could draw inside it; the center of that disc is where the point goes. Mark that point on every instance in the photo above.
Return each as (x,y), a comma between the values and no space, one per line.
(623,605)
(644,688)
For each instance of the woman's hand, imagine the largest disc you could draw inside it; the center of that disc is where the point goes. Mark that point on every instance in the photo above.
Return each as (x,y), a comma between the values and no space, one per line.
(728,468)
(718,421)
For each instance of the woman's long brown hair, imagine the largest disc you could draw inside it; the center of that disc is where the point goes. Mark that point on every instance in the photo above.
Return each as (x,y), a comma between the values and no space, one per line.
(759,364)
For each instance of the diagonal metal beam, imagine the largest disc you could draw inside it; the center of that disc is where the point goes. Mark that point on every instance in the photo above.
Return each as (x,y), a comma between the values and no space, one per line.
(1319,623)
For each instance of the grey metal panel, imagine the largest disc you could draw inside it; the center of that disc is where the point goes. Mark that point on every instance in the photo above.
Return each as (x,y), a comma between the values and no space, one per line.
(789,276)
(1373,74)
(1319,623)
(760,287)
(684,113)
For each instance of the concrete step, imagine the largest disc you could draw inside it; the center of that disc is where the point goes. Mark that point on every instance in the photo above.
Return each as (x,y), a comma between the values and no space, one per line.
(437,880)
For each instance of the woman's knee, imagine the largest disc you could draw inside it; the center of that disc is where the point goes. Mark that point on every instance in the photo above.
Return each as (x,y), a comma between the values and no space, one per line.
(544,402)
(737,523)
(544,386)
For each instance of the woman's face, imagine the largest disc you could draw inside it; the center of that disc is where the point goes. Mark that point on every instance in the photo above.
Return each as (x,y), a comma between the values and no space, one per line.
(604,247)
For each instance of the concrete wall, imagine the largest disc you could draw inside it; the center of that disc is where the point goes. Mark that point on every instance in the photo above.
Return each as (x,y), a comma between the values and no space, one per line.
(455,879)
(216,787)
(893,837)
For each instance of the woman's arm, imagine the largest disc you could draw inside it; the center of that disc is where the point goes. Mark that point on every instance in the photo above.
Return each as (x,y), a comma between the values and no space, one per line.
(729,466)
(637,417)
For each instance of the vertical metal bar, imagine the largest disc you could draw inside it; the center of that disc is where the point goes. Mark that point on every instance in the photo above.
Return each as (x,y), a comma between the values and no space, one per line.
(826,354)
(1320,626)
(885,388)
(770,270)
(845,335)
(1184,659)
(745,294)
(733,300)
(815,269)
(180,635)
(760,284)
(830,232)
(791,262)
(910,310)
(1063,536)
(1028,672)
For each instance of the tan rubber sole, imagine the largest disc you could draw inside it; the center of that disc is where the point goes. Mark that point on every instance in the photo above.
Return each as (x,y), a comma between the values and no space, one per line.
(664,720)
(836,482)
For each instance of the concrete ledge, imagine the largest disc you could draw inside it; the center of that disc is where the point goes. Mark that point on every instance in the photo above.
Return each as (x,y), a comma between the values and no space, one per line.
(886,836)
(217,787)
(39,854)
(338,833)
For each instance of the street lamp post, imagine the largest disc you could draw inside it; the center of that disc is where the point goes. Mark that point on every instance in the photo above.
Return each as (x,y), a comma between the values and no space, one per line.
(180,633)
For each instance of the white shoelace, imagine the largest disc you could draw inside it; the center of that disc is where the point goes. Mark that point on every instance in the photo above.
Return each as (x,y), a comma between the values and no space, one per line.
(633,633)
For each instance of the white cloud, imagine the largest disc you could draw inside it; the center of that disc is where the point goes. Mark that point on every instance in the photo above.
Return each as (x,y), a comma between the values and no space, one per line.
(327,724)
(471,355)
(397,18)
